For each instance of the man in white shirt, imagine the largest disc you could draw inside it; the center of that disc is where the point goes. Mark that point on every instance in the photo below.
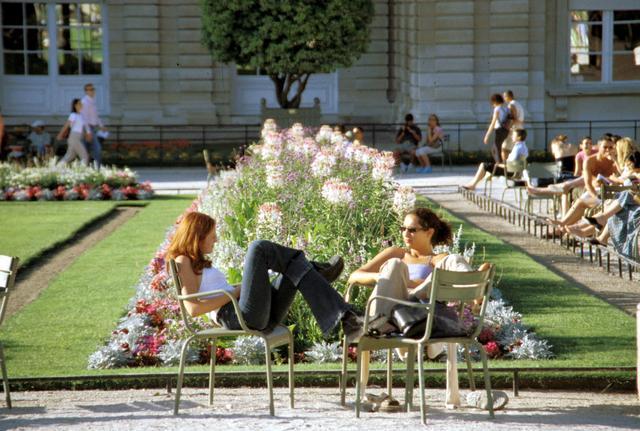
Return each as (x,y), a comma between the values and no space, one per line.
(519,152)
(90,116)
(516,114)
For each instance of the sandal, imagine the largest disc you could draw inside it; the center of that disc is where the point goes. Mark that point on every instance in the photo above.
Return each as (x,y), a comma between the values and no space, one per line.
(479,400)
(594,241)
(592,221)
(375,399)
(390,405)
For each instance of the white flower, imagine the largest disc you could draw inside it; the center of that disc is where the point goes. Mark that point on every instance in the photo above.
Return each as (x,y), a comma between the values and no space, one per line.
(337,192)
(274,174)
(272,146)
(323,164)
(404,199)
(323,352)
(268,126)
(269,217)
(383,165)
(324,134)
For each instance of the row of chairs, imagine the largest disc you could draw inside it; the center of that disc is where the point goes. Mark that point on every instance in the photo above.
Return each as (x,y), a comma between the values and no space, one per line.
(461,287)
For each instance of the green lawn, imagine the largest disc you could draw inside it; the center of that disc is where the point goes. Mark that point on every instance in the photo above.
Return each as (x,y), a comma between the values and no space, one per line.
(29,228)
(55,334)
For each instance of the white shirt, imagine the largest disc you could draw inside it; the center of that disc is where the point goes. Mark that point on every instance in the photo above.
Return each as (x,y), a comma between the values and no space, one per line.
(214,279)
(502,112)
(77,123)
(518,122)
(519,151)
(89,111)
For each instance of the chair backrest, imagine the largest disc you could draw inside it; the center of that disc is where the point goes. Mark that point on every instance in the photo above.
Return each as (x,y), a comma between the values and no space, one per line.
(609,191)
(175,275)
(211,169)
(8,271)
(542,170)
(461,287)
(515,168)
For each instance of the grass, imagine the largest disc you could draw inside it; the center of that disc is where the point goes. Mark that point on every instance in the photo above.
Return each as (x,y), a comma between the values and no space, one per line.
(53,337)
(55,334)
(30,228)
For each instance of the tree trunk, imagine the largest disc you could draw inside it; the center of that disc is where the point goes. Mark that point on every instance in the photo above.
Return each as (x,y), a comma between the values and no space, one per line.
(283,85)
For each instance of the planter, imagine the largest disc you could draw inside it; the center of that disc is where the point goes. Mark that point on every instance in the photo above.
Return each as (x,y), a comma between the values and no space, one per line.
(287,117)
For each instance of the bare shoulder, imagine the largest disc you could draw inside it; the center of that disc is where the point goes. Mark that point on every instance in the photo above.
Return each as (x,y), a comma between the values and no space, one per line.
(391,252)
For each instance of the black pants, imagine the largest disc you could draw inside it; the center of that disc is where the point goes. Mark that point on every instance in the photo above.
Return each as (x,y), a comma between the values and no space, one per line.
(496,151)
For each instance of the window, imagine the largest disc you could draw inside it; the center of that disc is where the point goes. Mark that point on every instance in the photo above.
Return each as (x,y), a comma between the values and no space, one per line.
(25,39)
(604,46)
(74,48)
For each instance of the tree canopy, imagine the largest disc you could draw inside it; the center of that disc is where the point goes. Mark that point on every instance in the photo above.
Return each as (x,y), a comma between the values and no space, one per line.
(287,39)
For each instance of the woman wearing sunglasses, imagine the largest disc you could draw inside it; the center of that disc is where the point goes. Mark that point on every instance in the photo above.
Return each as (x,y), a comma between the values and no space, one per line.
(404,273)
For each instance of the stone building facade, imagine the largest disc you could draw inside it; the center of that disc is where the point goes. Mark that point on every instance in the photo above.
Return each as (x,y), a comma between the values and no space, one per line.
(564,59)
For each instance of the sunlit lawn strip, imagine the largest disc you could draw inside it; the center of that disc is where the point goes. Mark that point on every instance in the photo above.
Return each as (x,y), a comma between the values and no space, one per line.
(55,334)
(29,228)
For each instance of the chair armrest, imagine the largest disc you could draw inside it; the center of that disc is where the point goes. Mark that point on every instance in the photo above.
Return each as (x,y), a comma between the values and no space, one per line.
(347,293)
(233,299)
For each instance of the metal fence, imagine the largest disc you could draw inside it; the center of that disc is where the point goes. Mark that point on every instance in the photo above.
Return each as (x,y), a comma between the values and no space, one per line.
(463,136)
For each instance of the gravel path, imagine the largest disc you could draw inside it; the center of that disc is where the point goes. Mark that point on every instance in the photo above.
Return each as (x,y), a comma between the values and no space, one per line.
(618,291)
(316,409)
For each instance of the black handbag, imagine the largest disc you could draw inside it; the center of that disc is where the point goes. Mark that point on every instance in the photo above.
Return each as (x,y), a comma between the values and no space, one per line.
(411,321)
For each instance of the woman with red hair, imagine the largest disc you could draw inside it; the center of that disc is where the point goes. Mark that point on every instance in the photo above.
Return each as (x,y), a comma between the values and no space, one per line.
(263,303)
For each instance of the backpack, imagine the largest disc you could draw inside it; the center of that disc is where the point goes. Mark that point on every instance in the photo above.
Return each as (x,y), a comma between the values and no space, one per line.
(504,117)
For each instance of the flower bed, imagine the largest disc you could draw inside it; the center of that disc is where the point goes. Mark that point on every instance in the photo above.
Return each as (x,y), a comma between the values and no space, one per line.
(305,190)
(71,182)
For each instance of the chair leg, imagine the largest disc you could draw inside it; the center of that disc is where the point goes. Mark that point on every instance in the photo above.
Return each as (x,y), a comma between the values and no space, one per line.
(423,413)
(291,376)
(409,379)
(389,371)
(358,383)
(5,378)
(487,381)
(183,357)
(343,372)
(212,370)
(467,355)
(267,353)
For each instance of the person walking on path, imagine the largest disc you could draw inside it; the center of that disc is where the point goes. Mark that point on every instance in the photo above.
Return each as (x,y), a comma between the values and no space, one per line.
(500,125)
(93,122)
(74,129)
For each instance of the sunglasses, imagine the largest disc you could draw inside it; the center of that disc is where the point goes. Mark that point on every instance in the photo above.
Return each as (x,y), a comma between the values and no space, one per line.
(411,230)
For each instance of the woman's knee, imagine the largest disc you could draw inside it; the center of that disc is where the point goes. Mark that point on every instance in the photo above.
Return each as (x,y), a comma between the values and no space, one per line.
(258,246)
(391,265)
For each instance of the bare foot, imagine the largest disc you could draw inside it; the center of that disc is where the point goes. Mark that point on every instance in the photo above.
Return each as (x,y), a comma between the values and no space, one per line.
(469,187)
(578,230)
(554,222)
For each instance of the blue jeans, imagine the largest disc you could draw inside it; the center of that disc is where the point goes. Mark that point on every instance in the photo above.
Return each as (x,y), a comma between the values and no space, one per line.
(93,147)
(264,304)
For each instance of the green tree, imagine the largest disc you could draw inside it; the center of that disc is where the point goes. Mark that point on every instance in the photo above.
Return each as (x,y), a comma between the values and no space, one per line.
(288,39)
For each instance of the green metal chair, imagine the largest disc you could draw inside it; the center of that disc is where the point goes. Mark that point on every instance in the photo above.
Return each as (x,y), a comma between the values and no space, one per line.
(541,170)
(8,270)
(279,336)
(513,180)
(446,286)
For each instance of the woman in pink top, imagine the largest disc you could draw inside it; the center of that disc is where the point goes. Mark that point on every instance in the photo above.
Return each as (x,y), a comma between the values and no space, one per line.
(586,149)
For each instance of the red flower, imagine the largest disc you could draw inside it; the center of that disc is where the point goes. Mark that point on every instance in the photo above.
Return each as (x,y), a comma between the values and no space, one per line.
(492,349)
(352,353)
(59,192)
(223,355)
(486,335)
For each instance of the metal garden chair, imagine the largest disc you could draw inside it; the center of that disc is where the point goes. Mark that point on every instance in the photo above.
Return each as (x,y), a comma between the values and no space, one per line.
(446,286)
(541,170)
(279,336)
(513,180)
(8,270)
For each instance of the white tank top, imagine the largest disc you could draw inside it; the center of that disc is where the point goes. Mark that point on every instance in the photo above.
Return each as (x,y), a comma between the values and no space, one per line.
(214,279)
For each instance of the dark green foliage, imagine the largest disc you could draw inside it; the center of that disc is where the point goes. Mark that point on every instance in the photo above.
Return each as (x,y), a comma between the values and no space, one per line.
(288,39)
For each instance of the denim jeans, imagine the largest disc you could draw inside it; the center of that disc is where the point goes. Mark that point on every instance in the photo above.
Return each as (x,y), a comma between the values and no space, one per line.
(93,147)
(264,304)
